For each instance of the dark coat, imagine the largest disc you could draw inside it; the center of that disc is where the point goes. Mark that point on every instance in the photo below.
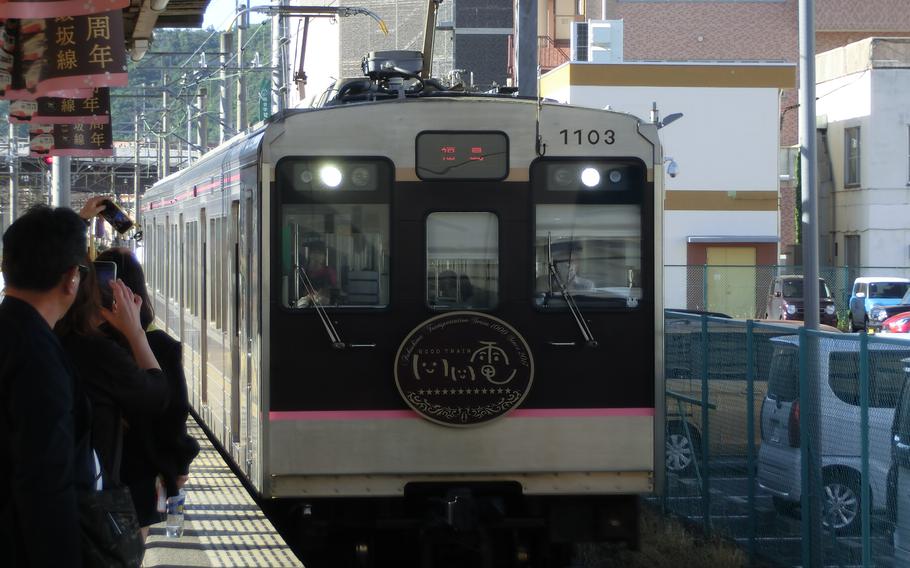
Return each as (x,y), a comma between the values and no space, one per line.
(45,457)
(119,391)
(162,446)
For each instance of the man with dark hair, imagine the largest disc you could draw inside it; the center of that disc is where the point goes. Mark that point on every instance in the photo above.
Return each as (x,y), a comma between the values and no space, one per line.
(42,420)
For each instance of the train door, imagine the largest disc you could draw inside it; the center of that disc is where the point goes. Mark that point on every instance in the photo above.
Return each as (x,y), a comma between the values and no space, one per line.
(245,301)
(203,314)
(460,246)
(232,250)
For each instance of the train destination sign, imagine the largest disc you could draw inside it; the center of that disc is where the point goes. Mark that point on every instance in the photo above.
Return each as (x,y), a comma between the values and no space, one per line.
(462,155)
(464,369)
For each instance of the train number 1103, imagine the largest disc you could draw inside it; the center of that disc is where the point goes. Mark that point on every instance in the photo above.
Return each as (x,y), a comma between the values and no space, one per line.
(592,137)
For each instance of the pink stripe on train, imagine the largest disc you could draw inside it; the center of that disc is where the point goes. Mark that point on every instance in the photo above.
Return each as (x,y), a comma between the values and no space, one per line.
(284,416)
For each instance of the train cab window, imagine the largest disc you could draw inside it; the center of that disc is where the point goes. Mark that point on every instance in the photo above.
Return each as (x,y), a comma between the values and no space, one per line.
(462,261)
(335,254)
(588,234)
(334,232)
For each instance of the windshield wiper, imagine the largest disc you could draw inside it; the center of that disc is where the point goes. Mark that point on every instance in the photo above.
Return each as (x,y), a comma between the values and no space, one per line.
(312,294)
(569,299)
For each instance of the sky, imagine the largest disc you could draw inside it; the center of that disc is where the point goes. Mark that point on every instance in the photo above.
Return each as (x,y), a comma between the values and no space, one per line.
(219,13)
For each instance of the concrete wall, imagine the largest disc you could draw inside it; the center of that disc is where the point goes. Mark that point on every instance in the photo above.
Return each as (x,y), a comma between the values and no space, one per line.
(873,97)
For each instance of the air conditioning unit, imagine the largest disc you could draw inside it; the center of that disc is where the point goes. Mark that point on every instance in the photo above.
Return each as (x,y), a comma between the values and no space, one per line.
(597,41)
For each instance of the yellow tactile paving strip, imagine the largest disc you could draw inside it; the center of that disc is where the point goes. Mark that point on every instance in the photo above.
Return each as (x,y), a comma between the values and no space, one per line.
(223,526)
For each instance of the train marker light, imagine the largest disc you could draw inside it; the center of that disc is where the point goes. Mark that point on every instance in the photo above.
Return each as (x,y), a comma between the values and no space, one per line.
(330,176)
(360,177)
(615,176)
(590,177)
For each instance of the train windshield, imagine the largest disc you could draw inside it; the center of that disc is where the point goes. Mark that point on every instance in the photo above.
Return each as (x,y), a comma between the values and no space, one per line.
(595,251)
(462,260)
(334,232)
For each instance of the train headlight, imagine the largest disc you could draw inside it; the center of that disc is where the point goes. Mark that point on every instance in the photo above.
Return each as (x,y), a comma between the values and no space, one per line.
(590,177)
(330,176)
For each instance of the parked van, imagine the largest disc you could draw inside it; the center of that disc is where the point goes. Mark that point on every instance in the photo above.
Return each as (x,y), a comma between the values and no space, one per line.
(840,430)
(726,344)
(785,300)
(870,292)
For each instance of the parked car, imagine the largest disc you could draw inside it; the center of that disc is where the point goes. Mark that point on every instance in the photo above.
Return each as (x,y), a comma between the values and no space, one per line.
(879,314)
(870,292)
(727,385)
(785,300)
(899,478)
(837,385)
(898,324)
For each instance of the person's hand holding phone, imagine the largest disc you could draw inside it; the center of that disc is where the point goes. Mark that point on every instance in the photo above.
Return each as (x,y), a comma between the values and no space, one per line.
(123,314)
(124,317)
(93,206)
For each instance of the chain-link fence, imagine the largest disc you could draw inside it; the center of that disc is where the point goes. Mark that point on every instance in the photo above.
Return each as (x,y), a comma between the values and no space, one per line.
(758,432)
(747,291)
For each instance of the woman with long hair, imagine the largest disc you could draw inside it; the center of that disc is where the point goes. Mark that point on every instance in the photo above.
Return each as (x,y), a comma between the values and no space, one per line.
(160,447)
(125,386)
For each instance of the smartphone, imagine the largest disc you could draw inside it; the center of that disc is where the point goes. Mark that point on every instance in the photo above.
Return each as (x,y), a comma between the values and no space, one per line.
(117,217)
(105,273)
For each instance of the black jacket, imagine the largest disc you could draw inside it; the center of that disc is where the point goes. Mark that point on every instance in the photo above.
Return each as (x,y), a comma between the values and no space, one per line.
(162,445)
(45,455)
(119,391)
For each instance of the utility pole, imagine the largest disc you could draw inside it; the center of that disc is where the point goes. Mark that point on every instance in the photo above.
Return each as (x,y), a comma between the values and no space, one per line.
(526,66)
(203,120)
(165,146)
(136,174)
(189,122)
(279,60)
(60,181)
(812,494)
(241,77)
(225,113)
(13,174)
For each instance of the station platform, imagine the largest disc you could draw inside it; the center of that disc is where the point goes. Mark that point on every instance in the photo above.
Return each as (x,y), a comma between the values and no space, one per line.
(223,525)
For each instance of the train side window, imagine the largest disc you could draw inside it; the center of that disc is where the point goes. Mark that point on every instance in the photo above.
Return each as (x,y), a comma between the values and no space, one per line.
(596,252)
(335,254)
(462,261)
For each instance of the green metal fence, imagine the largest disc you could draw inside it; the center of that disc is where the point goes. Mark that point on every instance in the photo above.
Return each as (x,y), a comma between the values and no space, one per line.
(742,291)
(747,408)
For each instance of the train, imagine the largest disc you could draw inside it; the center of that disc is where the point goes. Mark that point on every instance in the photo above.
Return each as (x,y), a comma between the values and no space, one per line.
(425,325)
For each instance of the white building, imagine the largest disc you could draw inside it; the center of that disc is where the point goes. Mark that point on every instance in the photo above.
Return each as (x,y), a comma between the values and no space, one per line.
(722,206)
(864,159)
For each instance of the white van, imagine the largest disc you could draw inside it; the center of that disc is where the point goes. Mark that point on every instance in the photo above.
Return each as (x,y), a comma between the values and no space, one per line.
(779,458)
(899,485)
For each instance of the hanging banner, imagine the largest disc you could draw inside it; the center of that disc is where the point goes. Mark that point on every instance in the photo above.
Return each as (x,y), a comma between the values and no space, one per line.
(95,109)
(57,8)
(80,140)
(66,57)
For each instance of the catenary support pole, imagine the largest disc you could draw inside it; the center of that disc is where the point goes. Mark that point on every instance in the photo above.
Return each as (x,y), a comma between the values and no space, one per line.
(165,145)
(136,168)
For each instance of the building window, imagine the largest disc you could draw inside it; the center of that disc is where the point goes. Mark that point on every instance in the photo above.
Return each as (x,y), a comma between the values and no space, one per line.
(851,157)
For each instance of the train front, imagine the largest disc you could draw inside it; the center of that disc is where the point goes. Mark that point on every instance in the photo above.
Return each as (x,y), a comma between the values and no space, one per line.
(462,327)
